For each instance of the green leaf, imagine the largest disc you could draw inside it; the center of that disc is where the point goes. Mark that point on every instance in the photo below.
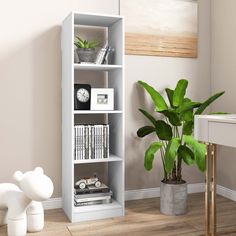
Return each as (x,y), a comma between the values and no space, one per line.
(199,150)
(79,39)
(187,106)
(170,94)
(93,44)
(179,92)
(142,132)
(150,117)
(205,104)
(187,115)
(186,154)
(173,117)
(163,130)
(171,153)
(188,127)
(149,154)
(156,97)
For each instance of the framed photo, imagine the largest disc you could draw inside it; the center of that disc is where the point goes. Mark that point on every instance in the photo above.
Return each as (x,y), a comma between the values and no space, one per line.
(102,99)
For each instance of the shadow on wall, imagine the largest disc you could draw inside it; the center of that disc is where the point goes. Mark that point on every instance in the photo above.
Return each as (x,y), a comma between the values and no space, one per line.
(137,177)
(30,123)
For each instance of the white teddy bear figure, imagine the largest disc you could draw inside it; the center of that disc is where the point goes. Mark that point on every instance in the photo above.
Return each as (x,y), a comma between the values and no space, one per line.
(20,207)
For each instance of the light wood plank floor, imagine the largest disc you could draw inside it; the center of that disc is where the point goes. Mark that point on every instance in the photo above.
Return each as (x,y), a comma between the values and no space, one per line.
(144,219)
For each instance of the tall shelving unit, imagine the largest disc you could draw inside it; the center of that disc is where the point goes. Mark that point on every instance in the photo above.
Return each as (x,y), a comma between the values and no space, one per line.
(111,76)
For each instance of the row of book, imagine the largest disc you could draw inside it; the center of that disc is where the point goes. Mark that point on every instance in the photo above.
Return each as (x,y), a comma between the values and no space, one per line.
(103,55)
(91,142)
(92,196)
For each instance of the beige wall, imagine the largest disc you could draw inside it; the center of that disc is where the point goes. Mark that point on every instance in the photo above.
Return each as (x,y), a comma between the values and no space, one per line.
(223,78)
(30,95)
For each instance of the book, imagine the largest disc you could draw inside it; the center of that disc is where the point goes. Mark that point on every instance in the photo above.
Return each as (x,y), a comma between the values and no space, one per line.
(101,54)
(105,201)
(90,199)
(92,195)
(91,141)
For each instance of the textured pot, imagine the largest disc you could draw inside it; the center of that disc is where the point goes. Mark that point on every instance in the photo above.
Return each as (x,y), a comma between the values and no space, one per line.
(86,54)
(173,199)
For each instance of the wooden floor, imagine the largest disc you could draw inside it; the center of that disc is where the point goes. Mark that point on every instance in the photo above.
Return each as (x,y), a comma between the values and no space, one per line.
(144,219)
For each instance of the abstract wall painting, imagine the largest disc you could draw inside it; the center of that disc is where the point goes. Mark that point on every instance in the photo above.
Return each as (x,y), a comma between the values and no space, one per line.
(161,27)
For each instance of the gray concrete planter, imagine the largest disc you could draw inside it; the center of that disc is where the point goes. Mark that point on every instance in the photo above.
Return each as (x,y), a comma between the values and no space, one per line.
(86,54)
(173,199)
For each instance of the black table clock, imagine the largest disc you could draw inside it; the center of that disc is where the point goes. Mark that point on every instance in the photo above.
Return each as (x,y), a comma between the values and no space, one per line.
(82,94)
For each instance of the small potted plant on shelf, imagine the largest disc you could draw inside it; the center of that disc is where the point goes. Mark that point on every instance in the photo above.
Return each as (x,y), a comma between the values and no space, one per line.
(174,142)
(86,49)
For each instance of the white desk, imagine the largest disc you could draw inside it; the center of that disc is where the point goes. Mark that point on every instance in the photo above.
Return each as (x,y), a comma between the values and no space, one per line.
(213,130)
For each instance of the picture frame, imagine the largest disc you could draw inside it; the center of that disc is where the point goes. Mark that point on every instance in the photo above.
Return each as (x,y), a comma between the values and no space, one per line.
(102,99)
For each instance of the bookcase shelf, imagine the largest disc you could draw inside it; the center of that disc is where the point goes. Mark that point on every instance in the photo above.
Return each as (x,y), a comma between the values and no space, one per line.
(110,159)
(87,112)
(111,169)
(96,67)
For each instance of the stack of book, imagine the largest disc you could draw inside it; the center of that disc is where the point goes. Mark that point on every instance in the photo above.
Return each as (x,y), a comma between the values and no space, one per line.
(91,141)
(92,195)
(103,55)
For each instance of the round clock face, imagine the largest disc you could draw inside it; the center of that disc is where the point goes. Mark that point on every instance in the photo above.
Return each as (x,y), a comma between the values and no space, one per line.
(82,95)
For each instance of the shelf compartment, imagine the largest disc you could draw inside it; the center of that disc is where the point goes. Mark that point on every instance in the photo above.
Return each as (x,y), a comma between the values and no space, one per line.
(112,158)
(96,67)
(88,112)
(94,212)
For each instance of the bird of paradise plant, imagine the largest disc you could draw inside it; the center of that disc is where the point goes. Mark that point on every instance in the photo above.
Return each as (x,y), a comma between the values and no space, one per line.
(174,132)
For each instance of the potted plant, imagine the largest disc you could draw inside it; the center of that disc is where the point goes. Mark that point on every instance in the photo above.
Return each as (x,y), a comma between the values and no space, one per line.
(174,142)
(85,49)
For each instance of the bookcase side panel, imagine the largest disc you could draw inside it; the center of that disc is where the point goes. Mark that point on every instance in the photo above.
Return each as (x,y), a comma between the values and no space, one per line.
(116,181)
(116,41)
(67,114)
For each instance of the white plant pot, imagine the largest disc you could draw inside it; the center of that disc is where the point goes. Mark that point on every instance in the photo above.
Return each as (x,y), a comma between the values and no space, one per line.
(173,199)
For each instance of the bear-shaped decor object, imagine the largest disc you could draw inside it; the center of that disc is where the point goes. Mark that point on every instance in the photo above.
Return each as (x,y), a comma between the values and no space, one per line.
(20,207)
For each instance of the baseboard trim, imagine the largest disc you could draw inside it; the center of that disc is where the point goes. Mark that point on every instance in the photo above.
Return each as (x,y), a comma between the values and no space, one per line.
(226,192)
(137,194)
(52,203)
(155,192)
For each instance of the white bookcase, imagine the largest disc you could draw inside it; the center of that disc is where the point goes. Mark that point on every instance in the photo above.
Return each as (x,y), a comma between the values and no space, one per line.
(111,170)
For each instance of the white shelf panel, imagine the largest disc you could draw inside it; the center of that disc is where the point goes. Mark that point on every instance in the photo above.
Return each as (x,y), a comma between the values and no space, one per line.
(98,207)
(96,67)
(112,158)
(83,18)
(88,112)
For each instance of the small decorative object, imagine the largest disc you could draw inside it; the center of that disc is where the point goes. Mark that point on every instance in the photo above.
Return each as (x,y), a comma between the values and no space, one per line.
(86,50)
(20,207)
(82,96)
(174,141)
(102,99)
(82,183)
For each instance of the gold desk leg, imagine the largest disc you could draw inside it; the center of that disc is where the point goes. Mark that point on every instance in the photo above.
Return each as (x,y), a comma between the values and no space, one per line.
(207,191)
(213,189)
(210,194)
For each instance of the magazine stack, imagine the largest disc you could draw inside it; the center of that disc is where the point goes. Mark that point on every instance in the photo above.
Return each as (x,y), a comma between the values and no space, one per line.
(91,141)
(92,195)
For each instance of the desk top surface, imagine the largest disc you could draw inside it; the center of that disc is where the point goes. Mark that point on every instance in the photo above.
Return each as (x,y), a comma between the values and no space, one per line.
(228,118)
(218,129)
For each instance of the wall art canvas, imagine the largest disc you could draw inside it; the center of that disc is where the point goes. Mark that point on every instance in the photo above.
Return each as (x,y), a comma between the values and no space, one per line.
(161,27)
